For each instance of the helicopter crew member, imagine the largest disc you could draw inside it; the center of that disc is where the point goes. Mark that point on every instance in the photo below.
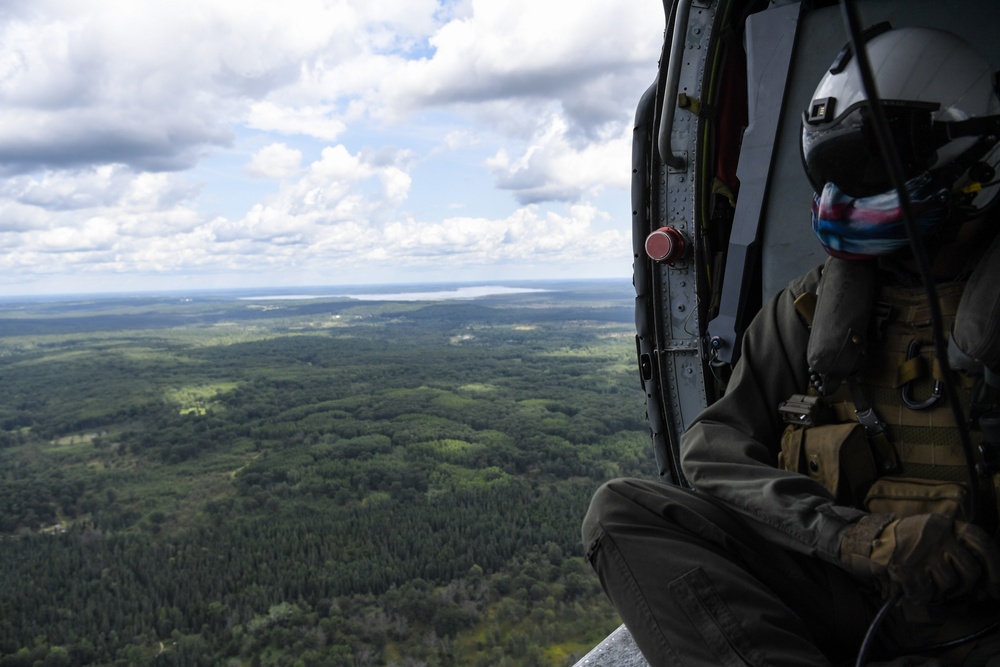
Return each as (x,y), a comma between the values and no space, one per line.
(833,475)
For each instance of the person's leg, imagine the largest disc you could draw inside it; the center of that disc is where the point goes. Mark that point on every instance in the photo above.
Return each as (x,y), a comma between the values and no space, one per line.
(695,586)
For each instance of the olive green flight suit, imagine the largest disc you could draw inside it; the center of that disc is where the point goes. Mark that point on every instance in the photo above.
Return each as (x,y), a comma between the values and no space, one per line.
(745,570)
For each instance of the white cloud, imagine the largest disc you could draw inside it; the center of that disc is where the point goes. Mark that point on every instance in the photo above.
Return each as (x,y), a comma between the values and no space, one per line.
(311,121)
(276,161)
(340,191)
(94,234)
(348,105)
(102,216)
(526,48)
(342,212)
(110,187)
(549,79)
(146,84)
(528,234)
(105,186)
(457,139)
(553,167)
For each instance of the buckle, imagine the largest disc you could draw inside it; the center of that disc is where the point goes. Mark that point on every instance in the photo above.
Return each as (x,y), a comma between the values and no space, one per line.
(802,410)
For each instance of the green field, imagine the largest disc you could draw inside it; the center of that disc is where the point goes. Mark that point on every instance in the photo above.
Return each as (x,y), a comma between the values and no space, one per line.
(213,481)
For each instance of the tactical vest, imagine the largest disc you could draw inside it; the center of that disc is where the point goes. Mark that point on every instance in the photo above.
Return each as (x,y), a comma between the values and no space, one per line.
(887,440)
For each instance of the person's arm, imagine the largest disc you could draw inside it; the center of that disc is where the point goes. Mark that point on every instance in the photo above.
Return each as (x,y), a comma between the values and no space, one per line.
(731,450)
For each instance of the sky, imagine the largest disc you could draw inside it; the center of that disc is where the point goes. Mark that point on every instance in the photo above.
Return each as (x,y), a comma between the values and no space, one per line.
(224,144)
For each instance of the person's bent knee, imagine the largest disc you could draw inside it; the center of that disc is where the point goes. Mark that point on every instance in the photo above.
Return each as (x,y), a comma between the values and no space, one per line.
(591,529)
(614,503)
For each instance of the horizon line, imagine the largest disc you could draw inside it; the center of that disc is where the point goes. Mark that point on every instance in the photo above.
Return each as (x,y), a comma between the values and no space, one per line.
(271,292)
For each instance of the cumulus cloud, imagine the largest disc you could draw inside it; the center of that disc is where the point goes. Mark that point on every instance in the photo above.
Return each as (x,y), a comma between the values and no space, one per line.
(158,86)
(339,187)
(550,78)
(105,186)
(275,161)
(124,124)
(341,211)
(153,86)
(527,235)
(317,121)
(108,208)
(526,49)
(555,168)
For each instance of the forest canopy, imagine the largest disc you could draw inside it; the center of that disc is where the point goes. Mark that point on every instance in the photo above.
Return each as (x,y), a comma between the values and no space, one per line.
(213,480)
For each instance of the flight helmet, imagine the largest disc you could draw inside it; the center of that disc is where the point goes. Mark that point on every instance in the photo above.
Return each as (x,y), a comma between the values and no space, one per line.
(940,98)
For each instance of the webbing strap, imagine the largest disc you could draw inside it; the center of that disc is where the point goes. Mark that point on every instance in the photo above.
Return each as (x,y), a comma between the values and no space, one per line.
(887,459)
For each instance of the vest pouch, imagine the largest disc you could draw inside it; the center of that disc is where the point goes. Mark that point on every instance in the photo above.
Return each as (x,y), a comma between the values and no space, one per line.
(837,456)
(906,496)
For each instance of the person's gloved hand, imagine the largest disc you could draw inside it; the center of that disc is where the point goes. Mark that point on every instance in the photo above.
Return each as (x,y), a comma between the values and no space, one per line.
(929,556)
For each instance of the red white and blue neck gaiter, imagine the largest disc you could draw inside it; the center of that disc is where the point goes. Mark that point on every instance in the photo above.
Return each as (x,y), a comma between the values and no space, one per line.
(867,227)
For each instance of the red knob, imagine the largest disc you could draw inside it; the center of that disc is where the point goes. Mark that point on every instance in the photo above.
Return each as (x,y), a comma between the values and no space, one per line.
(666,245)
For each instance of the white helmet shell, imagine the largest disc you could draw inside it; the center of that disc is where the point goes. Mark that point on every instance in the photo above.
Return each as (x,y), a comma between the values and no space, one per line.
(913,67)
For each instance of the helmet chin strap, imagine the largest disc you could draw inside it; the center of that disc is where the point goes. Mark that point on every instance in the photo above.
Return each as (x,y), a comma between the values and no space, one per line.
(980,126)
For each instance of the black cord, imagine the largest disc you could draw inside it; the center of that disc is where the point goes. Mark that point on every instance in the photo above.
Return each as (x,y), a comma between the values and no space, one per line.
(883,613)
(894,167)
(866,645)
(955,643)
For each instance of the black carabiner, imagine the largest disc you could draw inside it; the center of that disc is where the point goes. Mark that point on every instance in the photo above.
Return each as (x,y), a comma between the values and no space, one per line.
(905,391)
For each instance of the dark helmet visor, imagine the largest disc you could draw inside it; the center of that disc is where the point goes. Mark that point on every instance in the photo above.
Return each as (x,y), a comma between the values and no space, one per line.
(845,150)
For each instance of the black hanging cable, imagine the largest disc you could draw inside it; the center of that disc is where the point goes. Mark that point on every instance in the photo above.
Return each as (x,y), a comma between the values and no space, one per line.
(894,167)
(955,643)
(866,645)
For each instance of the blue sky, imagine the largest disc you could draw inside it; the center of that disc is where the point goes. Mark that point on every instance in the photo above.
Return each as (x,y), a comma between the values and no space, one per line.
(216,143)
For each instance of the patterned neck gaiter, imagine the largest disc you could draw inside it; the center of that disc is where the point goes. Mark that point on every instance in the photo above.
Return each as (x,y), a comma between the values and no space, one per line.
(867,227)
